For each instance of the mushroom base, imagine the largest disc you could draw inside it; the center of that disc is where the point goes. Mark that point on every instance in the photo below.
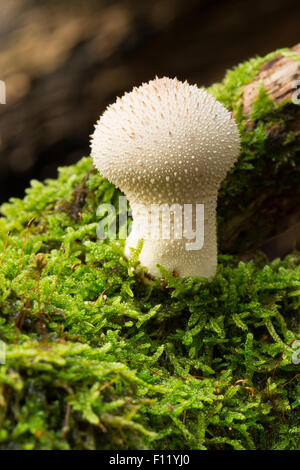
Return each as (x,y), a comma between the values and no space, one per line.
(185,255)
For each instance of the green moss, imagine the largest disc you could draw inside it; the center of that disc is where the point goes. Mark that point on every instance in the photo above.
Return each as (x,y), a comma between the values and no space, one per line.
(263,107)
(291,54)
(97,357)
(190,365)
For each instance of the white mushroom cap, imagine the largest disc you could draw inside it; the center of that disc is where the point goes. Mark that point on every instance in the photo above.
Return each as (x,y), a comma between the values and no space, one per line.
(164,142)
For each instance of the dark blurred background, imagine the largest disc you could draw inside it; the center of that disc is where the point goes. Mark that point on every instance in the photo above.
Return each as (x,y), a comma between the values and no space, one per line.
(64,61)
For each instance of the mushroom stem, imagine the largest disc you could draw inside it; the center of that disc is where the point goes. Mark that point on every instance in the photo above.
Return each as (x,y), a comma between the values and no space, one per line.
(181,238)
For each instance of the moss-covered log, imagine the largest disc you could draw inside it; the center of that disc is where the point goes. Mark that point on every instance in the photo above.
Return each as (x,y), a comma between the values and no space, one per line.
(94,357)
(260,198)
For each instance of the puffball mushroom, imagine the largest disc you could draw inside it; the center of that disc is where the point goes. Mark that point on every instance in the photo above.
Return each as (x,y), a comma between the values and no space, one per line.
(168,143)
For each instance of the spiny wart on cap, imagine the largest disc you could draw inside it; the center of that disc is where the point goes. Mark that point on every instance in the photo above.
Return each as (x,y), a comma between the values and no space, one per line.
(168,142)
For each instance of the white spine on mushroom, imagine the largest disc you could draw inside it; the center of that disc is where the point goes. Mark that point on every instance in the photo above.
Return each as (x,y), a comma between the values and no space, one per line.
(168,142)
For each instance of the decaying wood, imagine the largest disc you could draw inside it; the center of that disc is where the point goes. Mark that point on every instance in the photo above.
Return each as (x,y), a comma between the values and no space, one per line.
(278,76)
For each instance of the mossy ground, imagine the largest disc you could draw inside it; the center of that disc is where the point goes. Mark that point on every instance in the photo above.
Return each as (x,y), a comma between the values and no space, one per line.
(98,357)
